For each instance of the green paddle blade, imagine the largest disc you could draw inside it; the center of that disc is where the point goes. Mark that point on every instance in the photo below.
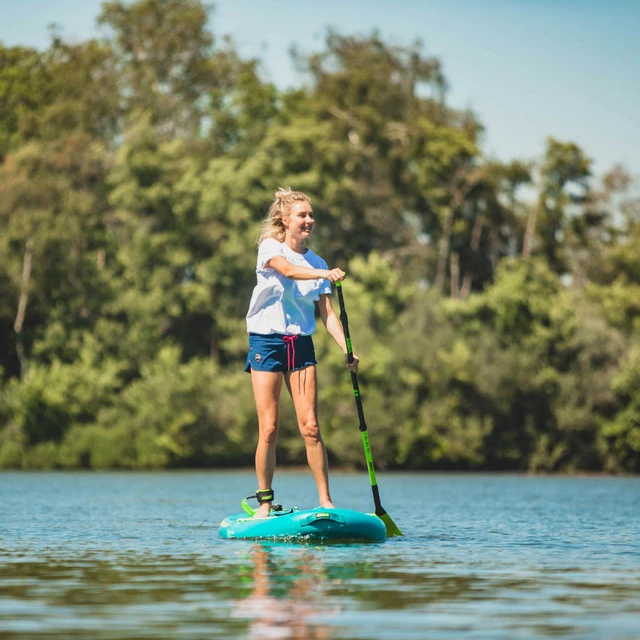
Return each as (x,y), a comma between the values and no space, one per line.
(392,528)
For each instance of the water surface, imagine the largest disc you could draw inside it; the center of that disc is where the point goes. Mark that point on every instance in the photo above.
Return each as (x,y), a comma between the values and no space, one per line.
(137,555)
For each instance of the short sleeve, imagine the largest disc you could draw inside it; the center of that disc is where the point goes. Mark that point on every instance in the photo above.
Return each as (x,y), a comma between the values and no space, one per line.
(325,287)
(269,248)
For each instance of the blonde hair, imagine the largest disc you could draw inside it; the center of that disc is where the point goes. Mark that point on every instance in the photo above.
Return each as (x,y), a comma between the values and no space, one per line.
(272,225)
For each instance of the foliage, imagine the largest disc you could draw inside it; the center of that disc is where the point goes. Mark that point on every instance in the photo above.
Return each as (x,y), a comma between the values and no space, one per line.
(494,305)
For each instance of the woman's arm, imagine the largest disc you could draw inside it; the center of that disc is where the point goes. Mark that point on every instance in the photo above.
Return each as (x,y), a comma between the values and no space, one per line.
(283,266)
(334,327)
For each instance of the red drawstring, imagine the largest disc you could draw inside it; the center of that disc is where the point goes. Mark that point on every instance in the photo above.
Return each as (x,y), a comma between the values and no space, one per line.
(290,341)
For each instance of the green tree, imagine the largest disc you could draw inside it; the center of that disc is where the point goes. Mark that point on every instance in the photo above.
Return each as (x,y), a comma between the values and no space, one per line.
(564,186)
(51,206)
(46,95)
(24,90)
(621,434)
(167,66)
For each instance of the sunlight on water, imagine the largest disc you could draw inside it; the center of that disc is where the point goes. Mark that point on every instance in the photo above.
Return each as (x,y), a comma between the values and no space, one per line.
(138,555)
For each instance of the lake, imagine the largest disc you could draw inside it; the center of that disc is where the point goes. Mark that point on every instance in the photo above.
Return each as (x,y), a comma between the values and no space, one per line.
(137,555)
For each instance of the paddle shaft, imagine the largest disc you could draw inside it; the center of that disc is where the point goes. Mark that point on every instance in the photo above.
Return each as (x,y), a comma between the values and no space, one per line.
(356,392)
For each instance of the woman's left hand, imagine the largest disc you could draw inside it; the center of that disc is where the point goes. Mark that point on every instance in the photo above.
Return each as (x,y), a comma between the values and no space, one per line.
(352,366)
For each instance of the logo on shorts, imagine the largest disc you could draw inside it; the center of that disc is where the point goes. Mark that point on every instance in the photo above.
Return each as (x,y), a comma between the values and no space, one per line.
(257,357)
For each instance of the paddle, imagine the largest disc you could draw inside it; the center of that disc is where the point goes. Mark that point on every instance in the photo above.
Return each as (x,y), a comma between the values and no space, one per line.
(392,529)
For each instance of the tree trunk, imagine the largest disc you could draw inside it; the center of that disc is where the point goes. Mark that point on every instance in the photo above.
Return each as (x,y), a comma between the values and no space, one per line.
(22,305)
(527,245)
(445,240)
(455,275)
(461,184)
(494,247)
(475,246)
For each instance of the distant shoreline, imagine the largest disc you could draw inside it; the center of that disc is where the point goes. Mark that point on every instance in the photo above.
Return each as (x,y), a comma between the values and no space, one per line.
(295,469)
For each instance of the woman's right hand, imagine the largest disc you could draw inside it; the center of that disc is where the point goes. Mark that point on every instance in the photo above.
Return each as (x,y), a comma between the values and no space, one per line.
(335,275)
(352,366)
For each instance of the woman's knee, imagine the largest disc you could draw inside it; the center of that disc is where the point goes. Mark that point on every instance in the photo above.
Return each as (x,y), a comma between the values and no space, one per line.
(310,429)
(269,432)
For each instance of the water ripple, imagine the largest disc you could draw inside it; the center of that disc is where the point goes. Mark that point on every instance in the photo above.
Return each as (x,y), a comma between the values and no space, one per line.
(138,556)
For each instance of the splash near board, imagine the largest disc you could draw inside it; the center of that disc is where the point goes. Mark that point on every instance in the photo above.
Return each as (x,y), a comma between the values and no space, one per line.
(312,525)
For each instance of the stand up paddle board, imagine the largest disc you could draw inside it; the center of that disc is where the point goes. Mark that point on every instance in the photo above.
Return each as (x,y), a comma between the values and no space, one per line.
(314,525)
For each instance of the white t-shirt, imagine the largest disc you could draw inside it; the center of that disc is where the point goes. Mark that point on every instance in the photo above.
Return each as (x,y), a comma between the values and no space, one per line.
(280,304)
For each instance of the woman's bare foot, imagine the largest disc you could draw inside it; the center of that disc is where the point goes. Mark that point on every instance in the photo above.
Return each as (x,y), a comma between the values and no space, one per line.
(263,510)
(327,504)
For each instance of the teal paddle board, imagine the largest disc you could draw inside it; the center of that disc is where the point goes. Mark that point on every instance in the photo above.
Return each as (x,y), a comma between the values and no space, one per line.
(339,525)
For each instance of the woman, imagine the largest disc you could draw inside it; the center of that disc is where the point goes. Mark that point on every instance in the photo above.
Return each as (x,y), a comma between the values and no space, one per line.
(292,279)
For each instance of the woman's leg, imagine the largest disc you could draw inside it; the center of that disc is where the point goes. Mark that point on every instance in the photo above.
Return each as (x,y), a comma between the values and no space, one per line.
(303,388)
(267,386)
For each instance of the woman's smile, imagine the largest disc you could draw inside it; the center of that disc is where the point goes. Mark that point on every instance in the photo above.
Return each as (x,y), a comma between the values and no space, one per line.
(301,219)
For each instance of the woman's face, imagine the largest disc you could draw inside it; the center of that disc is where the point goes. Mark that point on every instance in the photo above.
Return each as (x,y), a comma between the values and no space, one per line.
(299,223)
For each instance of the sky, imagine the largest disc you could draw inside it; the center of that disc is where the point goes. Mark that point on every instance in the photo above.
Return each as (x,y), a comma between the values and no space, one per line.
(529,69)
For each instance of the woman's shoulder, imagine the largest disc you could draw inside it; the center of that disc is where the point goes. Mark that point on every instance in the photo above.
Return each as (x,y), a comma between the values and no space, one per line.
(269,242)
(270,247)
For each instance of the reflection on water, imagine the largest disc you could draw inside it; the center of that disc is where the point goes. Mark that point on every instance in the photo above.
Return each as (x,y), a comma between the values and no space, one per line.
(285,599)
(302,592)
(138,556)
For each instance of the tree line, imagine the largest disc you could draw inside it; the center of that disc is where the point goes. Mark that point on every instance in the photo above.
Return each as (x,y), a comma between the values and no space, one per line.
(495,306)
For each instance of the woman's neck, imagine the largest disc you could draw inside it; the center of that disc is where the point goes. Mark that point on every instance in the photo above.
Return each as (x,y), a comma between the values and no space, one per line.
(295,245)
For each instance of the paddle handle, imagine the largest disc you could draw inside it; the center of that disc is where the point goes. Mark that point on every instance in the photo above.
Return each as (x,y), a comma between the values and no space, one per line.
(356,392)
(347,338)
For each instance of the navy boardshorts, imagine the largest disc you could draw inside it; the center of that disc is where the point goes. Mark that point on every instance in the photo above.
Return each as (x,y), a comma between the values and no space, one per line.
(276,352)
